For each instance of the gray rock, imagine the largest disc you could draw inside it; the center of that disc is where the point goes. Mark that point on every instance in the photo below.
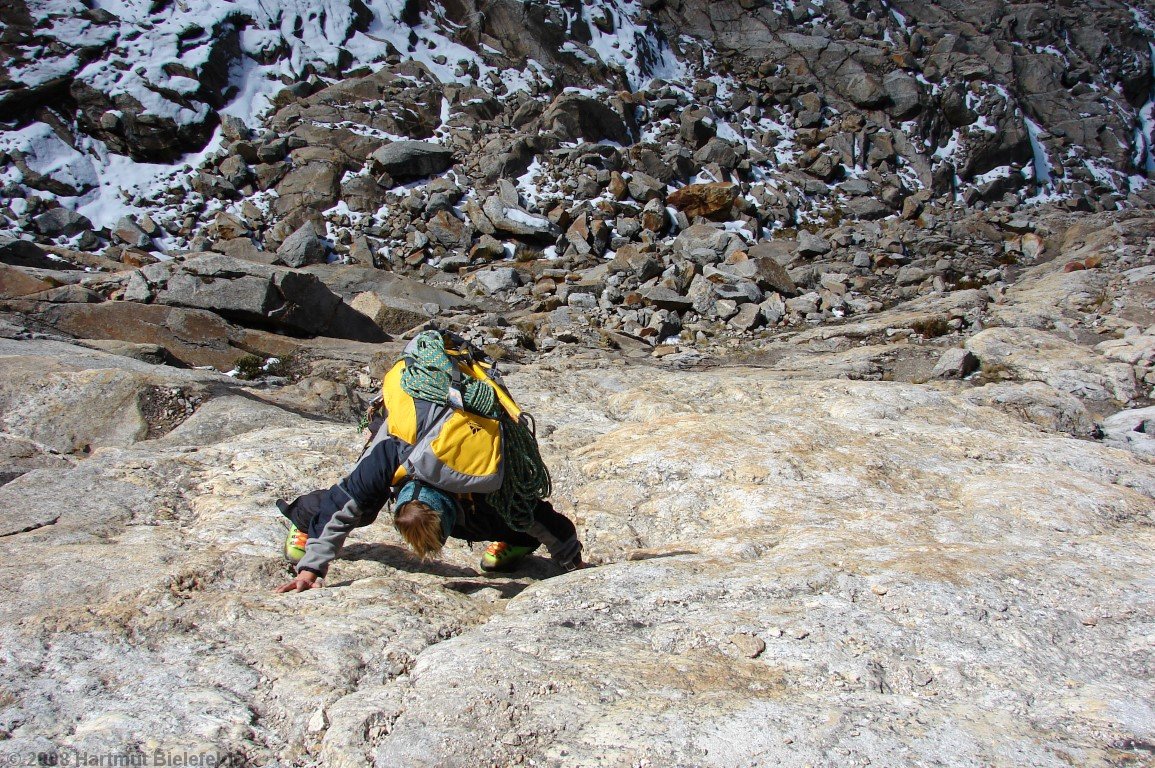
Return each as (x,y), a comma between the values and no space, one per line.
(61,221)
(742,291)
(403,160)
(810,245)
(664,298)
(869,208)
(706,244)
(302,248)
(644,188)
(749,316)
(577,117)
(246,298)
(910,275)
(1132,429)
(129,232)
(137,288)
(955,364)
(516,221)
(904,94)
(498,280)
(773,309)
(804,304)
(725,308)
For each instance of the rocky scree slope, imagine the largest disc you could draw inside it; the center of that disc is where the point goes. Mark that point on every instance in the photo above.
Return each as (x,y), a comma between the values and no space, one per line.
(614,173)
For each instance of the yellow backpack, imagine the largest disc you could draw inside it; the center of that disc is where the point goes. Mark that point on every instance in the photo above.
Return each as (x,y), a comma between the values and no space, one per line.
(454,449)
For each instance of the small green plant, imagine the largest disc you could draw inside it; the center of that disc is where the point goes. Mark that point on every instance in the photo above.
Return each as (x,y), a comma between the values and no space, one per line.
(250,367)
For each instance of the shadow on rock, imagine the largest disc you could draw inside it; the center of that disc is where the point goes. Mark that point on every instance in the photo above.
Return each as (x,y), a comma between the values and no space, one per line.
(401,559)
(507,589)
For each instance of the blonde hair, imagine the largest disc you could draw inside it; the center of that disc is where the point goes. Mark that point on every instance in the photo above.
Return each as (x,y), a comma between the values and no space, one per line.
(420,526)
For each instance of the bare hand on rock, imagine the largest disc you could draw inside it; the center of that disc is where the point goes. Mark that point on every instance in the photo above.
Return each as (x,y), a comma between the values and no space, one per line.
(304,580)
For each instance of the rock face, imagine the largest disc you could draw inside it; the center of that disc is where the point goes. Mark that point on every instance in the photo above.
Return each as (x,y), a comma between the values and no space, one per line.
(889,555)
(254,293)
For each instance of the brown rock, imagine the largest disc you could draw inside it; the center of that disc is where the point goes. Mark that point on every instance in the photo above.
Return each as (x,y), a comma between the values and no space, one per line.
(450,231)
(712,200)
(135,257)
(15,282)
(488,248)
(617,186)
(227,226)
(195,337)
(654,217)
(315,185)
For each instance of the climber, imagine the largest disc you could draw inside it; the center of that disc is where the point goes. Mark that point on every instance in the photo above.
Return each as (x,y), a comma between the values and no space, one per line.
(465,432)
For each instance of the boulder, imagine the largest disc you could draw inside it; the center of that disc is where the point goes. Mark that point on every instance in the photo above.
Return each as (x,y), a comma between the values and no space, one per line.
(629,260)
(264,296)
(514,220)
(665,298)
(449,231)
(706,244)
(904,94)
(193,337)
(747,318)
(713,200)
(302,248)
(498,280)
(654,217)
(129,232)
(1132,429)
(768,272)
(392,315)
(403,160)
(576,117)
(645,188)
(720,152)
(862,88)
(363,194)
(61,221)
(15,282)
(811,245)
(23,253)
(347,281)
(739,291)
(314,185)
(955,364)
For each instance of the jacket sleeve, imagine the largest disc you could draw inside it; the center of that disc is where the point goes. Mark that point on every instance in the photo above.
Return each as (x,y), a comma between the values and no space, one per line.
(323,547)
(354,501)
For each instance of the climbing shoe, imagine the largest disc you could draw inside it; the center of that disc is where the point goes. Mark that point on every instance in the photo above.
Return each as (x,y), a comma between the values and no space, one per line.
(295,544)
(500,556)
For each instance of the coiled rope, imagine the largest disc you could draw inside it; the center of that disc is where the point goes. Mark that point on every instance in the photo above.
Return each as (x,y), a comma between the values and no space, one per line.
(428,375)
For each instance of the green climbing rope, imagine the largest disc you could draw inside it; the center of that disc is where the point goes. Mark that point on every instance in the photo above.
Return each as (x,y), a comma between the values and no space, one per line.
(526,480)
(427,376)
